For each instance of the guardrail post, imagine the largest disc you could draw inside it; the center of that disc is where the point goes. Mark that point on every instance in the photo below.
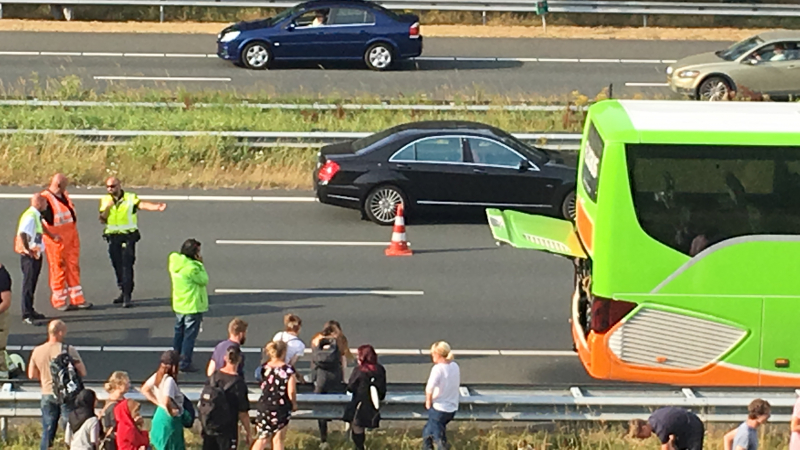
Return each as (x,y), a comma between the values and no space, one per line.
(644,20)
(161,13)
(3,429)
(544,23)
(1,10)
(483,16)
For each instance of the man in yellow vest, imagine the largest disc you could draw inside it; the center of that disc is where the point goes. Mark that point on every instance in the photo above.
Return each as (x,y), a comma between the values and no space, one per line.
(28,243)
(118,210)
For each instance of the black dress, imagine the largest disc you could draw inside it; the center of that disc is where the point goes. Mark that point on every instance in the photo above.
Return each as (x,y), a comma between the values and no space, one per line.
(360,411)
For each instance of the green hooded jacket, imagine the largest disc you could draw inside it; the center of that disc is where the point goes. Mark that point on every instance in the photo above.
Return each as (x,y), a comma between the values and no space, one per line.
(189,281)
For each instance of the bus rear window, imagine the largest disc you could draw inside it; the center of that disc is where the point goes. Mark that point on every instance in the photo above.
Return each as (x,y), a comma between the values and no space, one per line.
(592,156)
(689,197)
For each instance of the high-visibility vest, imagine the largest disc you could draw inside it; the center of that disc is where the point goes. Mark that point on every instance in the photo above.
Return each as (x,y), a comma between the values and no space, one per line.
(122,214)
(61,213)
(34,242)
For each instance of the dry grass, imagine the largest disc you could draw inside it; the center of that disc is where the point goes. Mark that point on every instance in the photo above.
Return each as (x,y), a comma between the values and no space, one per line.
(465,437)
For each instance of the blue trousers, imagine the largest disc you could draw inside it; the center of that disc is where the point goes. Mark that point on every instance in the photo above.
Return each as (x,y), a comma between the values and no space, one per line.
(51,413)
(435,432)
(187,327)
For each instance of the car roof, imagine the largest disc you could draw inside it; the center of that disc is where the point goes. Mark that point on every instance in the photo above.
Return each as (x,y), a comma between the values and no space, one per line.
(317,3)
(779,35)
(447,126)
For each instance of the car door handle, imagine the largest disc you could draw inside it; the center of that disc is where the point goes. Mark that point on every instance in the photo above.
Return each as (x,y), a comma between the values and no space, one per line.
(404,167)
(480,171)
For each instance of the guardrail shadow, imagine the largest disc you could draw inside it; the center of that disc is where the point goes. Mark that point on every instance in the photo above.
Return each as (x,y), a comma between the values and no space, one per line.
(403,66)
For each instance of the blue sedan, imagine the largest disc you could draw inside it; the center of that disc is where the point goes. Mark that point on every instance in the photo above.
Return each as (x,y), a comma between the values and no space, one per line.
(324,30)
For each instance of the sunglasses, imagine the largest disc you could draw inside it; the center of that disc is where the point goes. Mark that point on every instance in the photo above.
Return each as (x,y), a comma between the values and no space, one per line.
(111,186)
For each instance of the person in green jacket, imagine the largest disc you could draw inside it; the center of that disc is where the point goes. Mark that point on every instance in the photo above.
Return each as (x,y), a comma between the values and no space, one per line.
(189,299)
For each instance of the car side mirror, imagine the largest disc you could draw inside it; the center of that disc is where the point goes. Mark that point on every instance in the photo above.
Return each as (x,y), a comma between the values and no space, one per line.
(524,165)
(291,26)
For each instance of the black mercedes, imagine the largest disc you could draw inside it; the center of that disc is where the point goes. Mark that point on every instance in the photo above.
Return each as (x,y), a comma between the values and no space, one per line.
(443,165)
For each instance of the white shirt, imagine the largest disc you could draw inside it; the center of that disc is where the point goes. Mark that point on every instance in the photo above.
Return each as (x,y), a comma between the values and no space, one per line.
(443,386)
(86,438)
(294,346)
(167,389)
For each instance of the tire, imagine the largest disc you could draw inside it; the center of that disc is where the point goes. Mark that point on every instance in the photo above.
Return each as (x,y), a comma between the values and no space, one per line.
(379,56)
(380,206)
(714,89)
(256,56)
(568,206)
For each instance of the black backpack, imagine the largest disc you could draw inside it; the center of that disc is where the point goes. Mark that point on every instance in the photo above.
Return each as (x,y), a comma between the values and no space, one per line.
(213,408)
(326,355)
(67,383)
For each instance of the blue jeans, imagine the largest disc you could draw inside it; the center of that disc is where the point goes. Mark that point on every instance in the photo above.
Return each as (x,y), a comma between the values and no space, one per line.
(187,327)
(51,413)
(435,432)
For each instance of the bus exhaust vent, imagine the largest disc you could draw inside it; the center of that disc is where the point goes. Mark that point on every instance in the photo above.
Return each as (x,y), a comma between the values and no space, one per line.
(657,338)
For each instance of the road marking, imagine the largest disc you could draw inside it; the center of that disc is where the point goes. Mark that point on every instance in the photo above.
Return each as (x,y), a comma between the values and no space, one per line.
(669,61)
(318,291)
(144,55)
(186,55)
(60,53)
(563,60)
(380,351)
(647,84)
(19,53)
(102,54)
(316,243)
(641,61)
(192,198)
(599,60)
(123,78)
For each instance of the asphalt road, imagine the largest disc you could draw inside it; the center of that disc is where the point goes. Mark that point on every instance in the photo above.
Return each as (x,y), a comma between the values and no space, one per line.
(514,67)
(463,288)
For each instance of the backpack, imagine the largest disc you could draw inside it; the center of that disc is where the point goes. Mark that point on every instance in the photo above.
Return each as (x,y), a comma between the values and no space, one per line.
(213,407)
(109,439)
(326,355)
(67,382)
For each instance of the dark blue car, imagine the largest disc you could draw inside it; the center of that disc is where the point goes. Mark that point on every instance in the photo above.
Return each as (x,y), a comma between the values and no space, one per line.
(324,30)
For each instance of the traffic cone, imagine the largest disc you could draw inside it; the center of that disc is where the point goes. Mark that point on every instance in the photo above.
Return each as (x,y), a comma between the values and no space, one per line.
(399,245)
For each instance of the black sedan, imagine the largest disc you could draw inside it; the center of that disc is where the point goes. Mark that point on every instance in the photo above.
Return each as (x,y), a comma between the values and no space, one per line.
(443,165)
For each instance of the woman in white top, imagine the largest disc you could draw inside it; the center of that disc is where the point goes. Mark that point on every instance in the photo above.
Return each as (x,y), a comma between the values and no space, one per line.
(161,389)
(294,346)
(83,430)
(441,396)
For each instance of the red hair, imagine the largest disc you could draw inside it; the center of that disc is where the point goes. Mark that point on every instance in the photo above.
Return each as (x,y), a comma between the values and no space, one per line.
(367,358)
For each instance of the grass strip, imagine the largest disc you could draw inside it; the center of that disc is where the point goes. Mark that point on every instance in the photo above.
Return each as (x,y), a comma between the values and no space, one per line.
(463,436)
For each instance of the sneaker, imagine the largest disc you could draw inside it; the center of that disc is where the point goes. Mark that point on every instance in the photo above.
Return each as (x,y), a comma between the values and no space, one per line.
(324,446)
(118,300)
(38,316)
(85,305)
(127,304)
(30,321)
(189,369)
(4,375)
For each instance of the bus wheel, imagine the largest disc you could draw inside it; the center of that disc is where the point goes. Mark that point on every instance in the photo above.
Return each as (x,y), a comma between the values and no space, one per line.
(568,206)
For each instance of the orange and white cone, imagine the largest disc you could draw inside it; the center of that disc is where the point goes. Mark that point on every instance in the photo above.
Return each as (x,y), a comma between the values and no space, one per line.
(399,244)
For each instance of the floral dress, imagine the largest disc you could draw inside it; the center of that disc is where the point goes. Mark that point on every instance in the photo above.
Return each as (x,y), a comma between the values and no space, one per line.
(274,407)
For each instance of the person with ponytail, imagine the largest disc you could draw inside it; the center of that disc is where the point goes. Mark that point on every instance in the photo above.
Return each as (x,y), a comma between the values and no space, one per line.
(368,385)
(441,396)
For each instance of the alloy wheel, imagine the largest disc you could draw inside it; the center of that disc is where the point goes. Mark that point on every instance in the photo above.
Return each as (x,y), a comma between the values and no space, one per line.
(714,90)
(380,57)
(257,56)
(383,204)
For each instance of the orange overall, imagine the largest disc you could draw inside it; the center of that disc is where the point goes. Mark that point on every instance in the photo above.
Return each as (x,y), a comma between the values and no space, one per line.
(63,256)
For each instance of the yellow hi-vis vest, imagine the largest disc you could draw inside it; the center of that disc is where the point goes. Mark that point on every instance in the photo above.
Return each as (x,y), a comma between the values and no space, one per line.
(122,215)
(34,242)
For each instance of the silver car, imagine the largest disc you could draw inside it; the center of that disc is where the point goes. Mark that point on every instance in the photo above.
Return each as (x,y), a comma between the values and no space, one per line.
(768,63)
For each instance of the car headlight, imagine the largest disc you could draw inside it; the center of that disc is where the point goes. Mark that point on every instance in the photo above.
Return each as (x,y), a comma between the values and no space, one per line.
(229,36)
(670,70)
(688,74)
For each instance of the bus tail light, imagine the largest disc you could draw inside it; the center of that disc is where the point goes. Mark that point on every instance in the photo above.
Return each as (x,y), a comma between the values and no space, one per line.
(606,313)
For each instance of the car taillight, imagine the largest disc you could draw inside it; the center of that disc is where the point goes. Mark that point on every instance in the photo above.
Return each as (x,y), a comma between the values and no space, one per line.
(606,313)
(327,171)
(413,31)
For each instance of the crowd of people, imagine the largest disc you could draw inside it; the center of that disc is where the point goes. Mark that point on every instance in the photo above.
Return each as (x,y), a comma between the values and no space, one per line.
(223,409)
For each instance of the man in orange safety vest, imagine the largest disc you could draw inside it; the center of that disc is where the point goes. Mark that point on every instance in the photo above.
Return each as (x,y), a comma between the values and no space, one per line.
(63,256)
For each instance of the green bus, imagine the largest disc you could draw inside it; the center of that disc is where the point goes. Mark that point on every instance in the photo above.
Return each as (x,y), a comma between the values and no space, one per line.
(685,243)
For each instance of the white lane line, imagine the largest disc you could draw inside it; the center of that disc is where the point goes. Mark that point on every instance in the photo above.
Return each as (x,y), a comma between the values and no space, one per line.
(318,291)
(669,61)
(314,243)
(144,55)
(607,61)
(517,59)
(115,55)
(186,55)
(60,53)
(465,58)
(380,351)
(19,53)
(559,60)
(647,84)
(193,198)
(640,61)
(435,58)
(122,78)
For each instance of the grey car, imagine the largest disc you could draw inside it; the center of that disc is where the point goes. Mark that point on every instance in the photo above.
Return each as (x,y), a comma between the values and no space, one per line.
(768,63)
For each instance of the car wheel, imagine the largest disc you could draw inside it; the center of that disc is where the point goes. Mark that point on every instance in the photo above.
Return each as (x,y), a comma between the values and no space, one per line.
(714,89)
(568,206)
(256,56)
(379,56)
(381,203)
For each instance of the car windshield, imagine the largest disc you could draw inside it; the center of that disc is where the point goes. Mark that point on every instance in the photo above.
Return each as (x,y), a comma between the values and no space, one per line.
(531,153)
(738,49)
(282,15)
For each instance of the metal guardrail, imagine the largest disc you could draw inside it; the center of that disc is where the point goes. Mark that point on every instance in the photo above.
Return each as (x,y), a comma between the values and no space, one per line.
(487,404)
(556,6)
(554,141)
